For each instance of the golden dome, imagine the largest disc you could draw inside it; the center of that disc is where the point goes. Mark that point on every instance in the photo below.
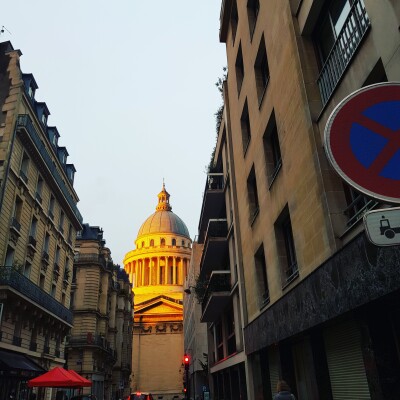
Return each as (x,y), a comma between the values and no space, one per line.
(163,220)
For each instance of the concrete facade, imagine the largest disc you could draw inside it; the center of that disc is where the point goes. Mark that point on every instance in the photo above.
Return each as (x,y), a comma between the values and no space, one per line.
(304,281)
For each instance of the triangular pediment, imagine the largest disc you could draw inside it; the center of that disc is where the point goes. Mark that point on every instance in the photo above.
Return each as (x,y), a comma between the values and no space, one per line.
(159,305)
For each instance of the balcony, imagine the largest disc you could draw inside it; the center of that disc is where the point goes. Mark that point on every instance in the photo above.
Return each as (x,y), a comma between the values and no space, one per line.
(15,225)
(28,131)
(92,340)
(354,29)
(217,295)
(24,288)
(213,202)
(224,19)
(92,258)
(215,253)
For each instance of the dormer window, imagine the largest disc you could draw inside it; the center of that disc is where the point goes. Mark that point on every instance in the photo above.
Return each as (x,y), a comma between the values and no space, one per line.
(44,119)
(31,92)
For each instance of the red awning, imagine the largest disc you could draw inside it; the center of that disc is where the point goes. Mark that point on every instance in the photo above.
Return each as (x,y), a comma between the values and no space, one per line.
(85,382)
(57,377)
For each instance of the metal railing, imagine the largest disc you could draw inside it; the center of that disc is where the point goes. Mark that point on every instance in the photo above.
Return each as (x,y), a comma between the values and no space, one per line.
(347,42)
(217,228)
(90,258)
(215,181)
(220,281)
(92,340)
(9,276)
(26,122)
(15,224)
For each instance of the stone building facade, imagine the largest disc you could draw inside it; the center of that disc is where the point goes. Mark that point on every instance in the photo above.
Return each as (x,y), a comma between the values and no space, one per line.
(318,303)
(157,269)
(99,346)
(38,224)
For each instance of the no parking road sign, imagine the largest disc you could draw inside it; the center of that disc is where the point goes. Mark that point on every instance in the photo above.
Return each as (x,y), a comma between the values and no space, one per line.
(362,140)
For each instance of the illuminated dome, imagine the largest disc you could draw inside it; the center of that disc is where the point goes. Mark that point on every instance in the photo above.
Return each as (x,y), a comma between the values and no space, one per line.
(163,220)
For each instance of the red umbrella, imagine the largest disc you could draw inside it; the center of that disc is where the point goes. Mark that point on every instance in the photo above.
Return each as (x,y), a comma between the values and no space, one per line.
(85,382)
(57,377)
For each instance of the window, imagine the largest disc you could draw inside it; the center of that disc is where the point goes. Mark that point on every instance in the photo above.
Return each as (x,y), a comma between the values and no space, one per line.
(286,248)
(219,339)
(230,330)
(142,244)
(252,196)
(9,257)
(272,151)
(51,206)
(70,234)
(18,209)
(57,256)
(42,281)
(31,92)
(32,232)
(261,70)
(61,225)
(253,8)
(245,127)
(173,242)
(27,269)
(357,204)
(152,243)
(44,119)
(24,168)
(234,20)
(162,242)
(340,30)
(46,244)
(39,189)
(261,277)
(239,68)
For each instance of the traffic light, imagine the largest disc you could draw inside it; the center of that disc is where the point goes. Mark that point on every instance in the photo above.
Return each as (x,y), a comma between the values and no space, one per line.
(186,361)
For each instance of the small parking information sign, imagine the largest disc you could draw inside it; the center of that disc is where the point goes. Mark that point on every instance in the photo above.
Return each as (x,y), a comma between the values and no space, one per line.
(383,226)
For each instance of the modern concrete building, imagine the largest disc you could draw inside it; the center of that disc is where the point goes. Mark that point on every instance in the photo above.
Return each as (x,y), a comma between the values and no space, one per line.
(318,303)
(157,269)
(38,223)
(100,343)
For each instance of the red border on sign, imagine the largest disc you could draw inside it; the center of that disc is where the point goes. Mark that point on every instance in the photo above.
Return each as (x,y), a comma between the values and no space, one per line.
(338,147)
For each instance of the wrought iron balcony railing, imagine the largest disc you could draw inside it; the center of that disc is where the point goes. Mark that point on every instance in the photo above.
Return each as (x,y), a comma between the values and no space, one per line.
(347,42)
(25,122)
(9,276)
(90,258)
(92,340)
(15,224)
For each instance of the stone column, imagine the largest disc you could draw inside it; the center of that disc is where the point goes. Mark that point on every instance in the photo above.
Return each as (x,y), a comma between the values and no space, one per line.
(158,270)
(174,282)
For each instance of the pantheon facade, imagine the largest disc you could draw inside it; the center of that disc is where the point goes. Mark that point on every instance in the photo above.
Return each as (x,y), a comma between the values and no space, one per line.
(157,269)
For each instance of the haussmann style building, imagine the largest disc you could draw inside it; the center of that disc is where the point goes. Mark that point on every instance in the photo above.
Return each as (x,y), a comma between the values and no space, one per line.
(157,268)
(294,288)
(38,224)
(99,346)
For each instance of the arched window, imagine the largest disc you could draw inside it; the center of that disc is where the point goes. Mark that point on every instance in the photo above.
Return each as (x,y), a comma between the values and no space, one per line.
(142,244)
(162,242)
(183,243)
(173,242)
(152,243)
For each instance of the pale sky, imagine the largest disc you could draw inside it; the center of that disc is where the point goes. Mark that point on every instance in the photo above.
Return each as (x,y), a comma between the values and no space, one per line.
(130,86)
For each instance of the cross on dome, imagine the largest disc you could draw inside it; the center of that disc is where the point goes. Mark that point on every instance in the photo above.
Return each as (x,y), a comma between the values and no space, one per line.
(163,200)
